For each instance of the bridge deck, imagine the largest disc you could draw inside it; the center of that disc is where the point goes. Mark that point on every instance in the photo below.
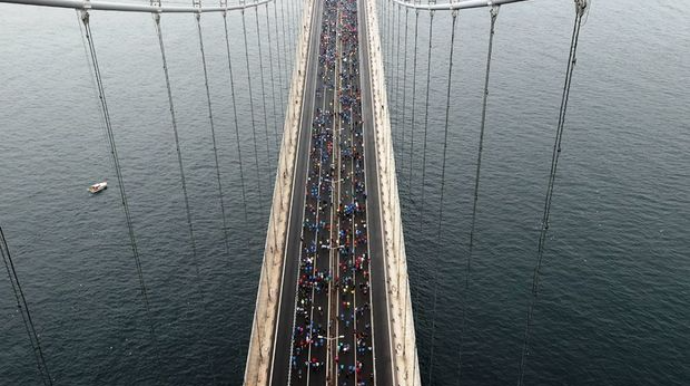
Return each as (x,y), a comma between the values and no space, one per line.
(331,326)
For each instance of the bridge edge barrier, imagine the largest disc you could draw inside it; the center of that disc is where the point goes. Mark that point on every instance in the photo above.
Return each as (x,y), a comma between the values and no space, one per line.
(406,366)
(264,323)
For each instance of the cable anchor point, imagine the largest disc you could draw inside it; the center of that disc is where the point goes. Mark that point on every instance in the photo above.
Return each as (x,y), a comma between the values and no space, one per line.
(197,5)
(85,12)
(157,13)
(494,10)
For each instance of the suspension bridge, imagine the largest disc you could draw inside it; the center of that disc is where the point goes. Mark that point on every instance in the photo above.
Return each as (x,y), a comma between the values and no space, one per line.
(333,304)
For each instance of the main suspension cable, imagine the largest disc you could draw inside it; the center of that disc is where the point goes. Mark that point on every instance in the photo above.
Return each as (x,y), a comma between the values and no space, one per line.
(213,135)
(120,182)
(468,268)
(23,308)
(443,184)
(580,6)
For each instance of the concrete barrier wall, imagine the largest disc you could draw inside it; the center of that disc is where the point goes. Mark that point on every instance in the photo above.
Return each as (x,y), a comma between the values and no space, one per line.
(263,328)
(406,366)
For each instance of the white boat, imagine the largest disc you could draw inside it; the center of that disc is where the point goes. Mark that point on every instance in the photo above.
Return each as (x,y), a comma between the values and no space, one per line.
(97,188)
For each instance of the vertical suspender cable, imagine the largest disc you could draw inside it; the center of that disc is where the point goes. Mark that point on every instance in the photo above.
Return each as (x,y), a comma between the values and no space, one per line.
(382,27)
(290,25)
(404,98)
(580,6)
(190,224)
(295,22)
(234,110)
(275,122)
(273,81)
(389,41)
(443,184)
(397,80)
(173,117)
(285,49)
(402,168)
(468,267)
(384,30)
(97,103)
(288,22)
(120,181)
(251,109)
(414,97)
(23,308)
(213,134)
(237,136)
(263,88)
(256,152)
(426,114)
(280,64)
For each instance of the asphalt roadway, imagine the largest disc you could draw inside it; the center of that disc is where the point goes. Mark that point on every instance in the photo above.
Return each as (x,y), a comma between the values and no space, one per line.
(383,354)
(323,311)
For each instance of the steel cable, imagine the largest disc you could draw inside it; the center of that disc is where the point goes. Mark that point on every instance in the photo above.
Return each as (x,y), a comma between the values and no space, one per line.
(280,66)
(414,97)
(213,135)
(183,180)
(274,216)
(234,110)
(389,44)
(273,82)
(580,6)
(263,87)
(120,181)
(397,80)
(23,308)
(426,115)
(285,52)
(404,98)
(256,152)
(443,184)
(251,110)
(468,268)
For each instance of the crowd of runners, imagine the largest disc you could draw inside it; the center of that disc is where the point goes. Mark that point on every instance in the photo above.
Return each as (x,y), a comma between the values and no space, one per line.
(332,333)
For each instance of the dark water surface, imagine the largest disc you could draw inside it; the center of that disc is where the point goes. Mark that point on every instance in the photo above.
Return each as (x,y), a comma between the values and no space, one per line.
(614,305)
